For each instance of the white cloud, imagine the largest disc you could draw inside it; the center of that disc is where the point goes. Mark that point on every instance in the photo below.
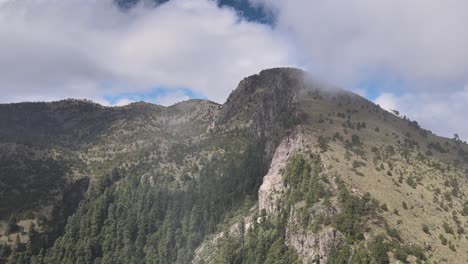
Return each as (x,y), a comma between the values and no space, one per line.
(54,49)
(170,99)
(443,113)
(418,41)
(387,101)
(86,48)
(123,101)
(417,46)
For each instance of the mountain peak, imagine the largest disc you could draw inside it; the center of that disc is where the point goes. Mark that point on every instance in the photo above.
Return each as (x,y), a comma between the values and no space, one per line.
(342,173)
(275,82)
(282,70)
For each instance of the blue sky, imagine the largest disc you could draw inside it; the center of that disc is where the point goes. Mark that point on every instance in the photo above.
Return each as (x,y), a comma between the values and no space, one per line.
(156,95)
(167,51)
(244,8)
(371,88)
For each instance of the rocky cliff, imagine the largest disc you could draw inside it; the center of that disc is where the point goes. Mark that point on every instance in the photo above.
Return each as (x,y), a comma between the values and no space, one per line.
(286,171)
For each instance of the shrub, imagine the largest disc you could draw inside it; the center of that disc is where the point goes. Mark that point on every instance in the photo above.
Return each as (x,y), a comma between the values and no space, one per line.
(379,251)
(416,251)
(351,220)
(410,181)
(448,229)
(443,240)
(355,140)
(465,209)
(11,225)
(357,164)
(323,143)
(425,229)
(401,255)
(361,255)
(339,256)
(452,247)
(405,206)
(390,150)
(392,232)
(384,207)
(359,173)
(337,136)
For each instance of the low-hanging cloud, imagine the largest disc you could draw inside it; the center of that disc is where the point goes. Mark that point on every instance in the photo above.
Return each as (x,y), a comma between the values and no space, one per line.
(413,41)
(410,50)
(52,49)
(443,113)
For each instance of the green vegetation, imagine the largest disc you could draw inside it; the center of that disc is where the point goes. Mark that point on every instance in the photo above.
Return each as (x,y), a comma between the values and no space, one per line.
(33,183)
(392,232)
(376,253)
(405,206)
(443,240)
(402,252)
(165,181)
(384,207)
(425,229)
(304,184)
(302,178)
(323,143)
(355,140)
(354,213)
(447,228)
(452,247)
(411,182)
(264,243)
(401,255)
(125,220)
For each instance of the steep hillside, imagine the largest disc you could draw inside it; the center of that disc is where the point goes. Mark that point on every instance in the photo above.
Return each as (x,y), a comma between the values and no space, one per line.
(410,187)
(286,171)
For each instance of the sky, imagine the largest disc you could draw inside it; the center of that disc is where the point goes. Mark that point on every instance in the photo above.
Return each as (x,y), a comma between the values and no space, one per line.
(405,55)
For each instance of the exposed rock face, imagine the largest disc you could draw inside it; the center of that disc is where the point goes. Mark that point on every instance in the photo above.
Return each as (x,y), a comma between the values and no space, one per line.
(270,193)
(267,119)
(268,102)
(329,239)
(312,246)
(305,244)
(315,247)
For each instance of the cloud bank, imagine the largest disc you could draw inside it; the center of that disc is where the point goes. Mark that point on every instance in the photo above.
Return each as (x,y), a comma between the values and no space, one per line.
(347,41)
(406,55)
(52,49)
(413,52)
(443,113)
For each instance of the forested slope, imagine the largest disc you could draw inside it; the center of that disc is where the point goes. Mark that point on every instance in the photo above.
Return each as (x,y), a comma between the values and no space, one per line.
(286,171)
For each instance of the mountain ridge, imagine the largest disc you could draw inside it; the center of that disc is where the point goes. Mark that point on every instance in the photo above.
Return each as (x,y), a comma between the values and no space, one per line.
(281,142)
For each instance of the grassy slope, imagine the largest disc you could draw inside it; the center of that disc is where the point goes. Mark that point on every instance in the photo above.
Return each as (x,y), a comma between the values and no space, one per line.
(419,178)
(387,175)
(175,140)
(47,147)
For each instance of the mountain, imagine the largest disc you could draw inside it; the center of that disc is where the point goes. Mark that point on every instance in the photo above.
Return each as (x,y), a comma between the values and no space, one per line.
(288,170)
